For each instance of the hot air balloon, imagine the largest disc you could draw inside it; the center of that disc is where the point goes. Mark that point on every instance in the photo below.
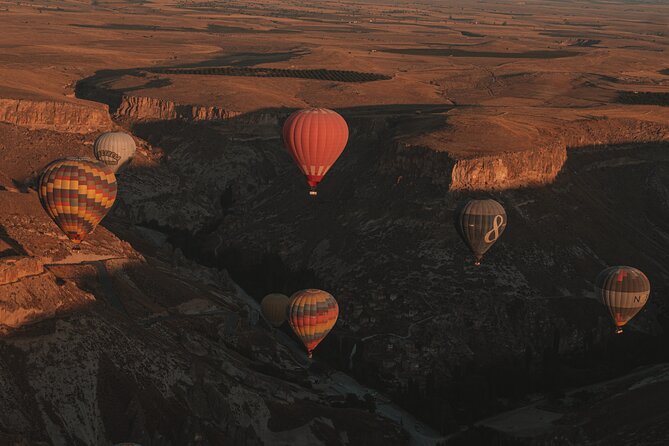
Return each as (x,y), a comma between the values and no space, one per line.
(77,193)
(315,137)
(273,308)
(312,314)
(114,149)
(624,291)
(480,224)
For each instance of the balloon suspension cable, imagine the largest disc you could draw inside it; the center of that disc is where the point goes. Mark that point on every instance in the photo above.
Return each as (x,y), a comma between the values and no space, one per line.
(619,330)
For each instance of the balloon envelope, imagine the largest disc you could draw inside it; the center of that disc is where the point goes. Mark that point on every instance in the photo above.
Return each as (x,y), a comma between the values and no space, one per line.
(77,193)
(480,225)
(312,314)
(114,149)
(624,291)
(273,308)
(315,137)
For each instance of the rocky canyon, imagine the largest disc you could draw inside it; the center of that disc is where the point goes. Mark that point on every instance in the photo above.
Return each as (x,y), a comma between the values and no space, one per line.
(152,332)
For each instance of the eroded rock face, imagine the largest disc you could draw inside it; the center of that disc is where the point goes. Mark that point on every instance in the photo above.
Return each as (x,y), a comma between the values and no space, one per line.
(37,297)
(14,268)
(595,132)
(58,116)
(137,108)
(508,170)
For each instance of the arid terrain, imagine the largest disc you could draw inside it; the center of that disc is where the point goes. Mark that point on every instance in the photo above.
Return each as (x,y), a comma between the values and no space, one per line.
(152,334)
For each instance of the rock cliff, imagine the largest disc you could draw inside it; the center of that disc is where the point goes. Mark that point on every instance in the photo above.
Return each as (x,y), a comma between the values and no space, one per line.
(52,115)
(508,170)
(16,267)
(137,108)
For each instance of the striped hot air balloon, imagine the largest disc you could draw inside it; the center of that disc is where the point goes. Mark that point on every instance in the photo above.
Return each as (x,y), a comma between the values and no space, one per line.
(315,137)
(114,149)
(624,291)
(273,308)
(480,224)
(312,314)
(77,193)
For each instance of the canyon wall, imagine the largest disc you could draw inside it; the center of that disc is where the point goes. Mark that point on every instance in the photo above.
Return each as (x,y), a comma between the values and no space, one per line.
(539,167)
(143,108)
(508,170)
(94,117)
(58,116)
(16,267)
(140,108)
(601,131)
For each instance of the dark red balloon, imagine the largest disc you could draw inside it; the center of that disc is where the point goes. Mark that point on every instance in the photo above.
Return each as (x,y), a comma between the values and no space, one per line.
(315,137)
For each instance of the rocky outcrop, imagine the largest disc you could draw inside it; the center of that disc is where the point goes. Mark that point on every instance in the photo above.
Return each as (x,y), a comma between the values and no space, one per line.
(140,108)
(539,167)
(16,267)
(143,108)
(58,116)
(36,296)
(602,131)
(479,173)
(508,170)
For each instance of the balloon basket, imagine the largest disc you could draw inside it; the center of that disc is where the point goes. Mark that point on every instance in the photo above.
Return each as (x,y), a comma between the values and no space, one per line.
(313,193)
(619,330)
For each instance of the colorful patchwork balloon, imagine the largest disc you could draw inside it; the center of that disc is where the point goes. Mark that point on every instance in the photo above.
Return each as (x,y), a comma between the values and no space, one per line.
(312,314)
(77,193)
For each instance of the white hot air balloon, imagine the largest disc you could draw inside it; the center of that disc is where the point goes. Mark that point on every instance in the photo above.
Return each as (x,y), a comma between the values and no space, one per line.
(114,149)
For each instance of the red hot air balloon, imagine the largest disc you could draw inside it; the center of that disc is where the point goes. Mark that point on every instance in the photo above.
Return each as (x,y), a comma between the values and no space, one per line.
(315,137)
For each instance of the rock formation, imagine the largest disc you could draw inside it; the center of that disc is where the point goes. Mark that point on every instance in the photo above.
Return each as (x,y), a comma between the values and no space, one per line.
(137,108)
(52,115)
